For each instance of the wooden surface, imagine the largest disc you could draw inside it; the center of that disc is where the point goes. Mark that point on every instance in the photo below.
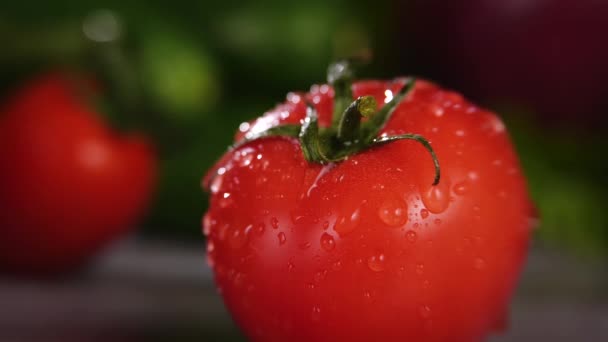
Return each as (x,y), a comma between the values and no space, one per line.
(146,291)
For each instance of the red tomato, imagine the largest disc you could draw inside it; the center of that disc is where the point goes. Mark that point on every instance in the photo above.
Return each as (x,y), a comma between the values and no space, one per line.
(367,249)
(68,184)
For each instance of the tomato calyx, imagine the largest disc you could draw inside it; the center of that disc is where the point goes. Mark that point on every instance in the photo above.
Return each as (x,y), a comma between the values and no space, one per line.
(348,134)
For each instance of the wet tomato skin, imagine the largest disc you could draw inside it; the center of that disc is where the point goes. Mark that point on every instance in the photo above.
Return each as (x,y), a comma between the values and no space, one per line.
(367,249)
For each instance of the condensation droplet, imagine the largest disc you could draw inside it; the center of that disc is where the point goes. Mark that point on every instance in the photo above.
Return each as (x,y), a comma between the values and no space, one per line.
(237,239)
(337,265)
(480,264)
(461,188)
(259,228)
(411,236)
(436,198)
(282,238)
(244,127)
(424,213)
(473,175)
(297,219)
(437,221)
(216,183)
(346,224)
(304,245)
(438,111)
(376,262)
(393,212)
(316,313)
(320,276)
(327,242)
(274,222)
(246,160)
(419,268)
(226,200)
(425,311)
(208,223)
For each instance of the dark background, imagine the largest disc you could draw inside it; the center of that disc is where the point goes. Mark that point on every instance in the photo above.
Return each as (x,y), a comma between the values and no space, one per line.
(188,72)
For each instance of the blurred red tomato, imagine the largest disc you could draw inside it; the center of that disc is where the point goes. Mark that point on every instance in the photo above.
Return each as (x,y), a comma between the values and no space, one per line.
(68,183)
(542,53)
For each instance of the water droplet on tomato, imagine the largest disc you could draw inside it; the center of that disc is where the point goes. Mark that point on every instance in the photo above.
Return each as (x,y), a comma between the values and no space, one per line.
(237,238)
(282,238)
(208,224)
(337,265)
(419,268)
(248,229)
(425,311)
(393,212)
(424,213)
(325,225)
(297,219)
(327,242)
(274,222)
(290,266)
(437,221)
(461,188)
(216,183)
(223,231)
(304,245)
(320,276)
(438,111)
(226,200)
(480,264)
(473,175)
(259,228)
(436,198)
(347,223)
(245,159)
(376,262)
(411,236)
(316,313)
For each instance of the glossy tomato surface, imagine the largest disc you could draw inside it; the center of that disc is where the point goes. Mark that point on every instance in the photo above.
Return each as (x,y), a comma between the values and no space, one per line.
(68,183)
(367,249)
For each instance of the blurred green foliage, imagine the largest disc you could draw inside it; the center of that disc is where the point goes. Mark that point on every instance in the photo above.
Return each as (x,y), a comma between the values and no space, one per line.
(566,178)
